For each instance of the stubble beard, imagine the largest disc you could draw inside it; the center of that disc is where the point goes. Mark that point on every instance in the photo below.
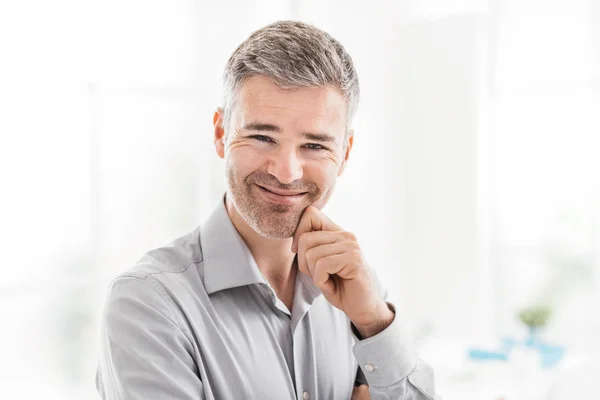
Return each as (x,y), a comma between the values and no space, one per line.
(273,221)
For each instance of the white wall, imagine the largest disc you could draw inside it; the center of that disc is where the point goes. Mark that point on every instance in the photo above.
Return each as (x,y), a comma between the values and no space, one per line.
(106,111)
(442,78)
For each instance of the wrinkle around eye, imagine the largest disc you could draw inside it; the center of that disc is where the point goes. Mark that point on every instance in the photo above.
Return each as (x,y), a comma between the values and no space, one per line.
(333,158)
(241,142)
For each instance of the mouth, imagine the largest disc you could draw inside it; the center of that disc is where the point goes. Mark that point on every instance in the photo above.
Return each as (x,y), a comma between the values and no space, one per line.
(281,196)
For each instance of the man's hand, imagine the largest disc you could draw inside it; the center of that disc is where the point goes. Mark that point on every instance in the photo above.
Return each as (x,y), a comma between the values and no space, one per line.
(361,393)
(334,261)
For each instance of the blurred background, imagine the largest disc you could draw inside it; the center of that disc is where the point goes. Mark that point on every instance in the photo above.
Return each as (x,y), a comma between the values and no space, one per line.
(473,186)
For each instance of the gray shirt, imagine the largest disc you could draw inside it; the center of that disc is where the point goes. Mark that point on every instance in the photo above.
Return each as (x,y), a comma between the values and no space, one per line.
(197,320)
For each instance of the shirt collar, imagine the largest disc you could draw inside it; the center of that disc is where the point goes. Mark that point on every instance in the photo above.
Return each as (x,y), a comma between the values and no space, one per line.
(228,262)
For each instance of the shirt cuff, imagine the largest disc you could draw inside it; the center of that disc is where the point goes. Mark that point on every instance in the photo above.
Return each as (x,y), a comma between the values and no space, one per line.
(387,357)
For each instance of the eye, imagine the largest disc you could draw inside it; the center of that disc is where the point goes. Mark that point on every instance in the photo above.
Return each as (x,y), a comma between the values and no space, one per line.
(261,138)
(315,146)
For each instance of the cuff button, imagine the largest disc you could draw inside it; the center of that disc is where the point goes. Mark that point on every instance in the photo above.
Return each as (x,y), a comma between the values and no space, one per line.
(370,367)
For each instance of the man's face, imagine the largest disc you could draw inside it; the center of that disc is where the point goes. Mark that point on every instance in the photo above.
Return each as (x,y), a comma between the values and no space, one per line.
(283,152)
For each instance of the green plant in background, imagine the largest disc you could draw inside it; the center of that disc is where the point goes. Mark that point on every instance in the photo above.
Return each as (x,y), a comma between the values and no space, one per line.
(535,317)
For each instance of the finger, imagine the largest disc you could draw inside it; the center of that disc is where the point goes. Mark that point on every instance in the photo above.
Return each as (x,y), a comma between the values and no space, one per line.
(338,264)
(303,247)
(308,241)
(312,219)
(347,265)
(302,267)
(315,253)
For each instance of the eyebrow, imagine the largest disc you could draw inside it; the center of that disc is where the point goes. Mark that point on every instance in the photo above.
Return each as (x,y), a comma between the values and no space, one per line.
(317,137)
(257,126)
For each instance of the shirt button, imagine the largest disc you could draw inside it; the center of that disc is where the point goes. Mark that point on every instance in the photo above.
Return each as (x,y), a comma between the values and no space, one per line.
(370,367)
(305,395)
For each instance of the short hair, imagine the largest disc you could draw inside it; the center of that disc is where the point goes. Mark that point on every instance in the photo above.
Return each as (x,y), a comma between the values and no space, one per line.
(293,54)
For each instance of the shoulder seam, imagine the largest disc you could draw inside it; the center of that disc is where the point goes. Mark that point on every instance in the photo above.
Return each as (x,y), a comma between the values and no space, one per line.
(159,290)
(155,288)
(128,274)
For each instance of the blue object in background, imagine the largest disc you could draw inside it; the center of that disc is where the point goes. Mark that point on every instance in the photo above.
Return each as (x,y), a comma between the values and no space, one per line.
(550,355)
(486,355)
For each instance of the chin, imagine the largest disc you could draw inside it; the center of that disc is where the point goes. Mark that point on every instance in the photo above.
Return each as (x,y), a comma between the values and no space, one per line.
(280,228)
(275,232)
(276,224)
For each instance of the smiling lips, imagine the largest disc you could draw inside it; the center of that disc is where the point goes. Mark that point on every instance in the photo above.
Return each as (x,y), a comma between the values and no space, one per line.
(280,196)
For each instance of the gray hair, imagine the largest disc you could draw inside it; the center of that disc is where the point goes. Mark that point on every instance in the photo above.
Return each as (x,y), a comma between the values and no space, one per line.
(293,54)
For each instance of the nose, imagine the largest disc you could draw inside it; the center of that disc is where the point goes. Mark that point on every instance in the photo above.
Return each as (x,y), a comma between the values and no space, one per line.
(285,165)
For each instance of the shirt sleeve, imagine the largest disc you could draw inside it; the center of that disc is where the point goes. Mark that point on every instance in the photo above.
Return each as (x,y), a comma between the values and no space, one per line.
(143,352)
(391,366)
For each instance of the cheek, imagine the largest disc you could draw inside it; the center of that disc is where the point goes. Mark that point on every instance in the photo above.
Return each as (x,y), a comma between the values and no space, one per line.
(244,160)
(323,174)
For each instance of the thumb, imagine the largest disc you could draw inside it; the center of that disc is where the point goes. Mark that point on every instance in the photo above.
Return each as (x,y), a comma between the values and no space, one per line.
(312,219)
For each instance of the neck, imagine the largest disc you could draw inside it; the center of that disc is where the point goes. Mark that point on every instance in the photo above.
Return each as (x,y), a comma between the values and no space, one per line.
(274,257)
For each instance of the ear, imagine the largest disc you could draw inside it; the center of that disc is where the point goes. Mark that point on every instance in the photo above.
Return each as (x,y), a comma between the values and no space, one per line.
(348,148)
(219,138)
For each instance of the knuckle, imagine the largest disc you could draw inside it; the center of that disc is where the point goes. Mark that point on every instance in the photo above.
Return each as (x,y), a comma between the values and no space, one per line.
(304,268)
(324,264)
(310,253)
(303,237)
(311,256)
(306,215)
(350,236)
(320,264)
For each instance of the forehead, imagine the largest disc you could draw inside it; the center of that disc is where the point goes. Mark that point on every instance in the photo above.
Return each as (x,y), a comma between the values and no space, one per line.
(322,107)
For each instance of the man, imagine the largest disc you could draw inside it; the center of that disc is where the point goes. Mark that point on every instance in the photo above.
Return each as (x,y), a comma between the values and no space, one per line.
(268,299)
